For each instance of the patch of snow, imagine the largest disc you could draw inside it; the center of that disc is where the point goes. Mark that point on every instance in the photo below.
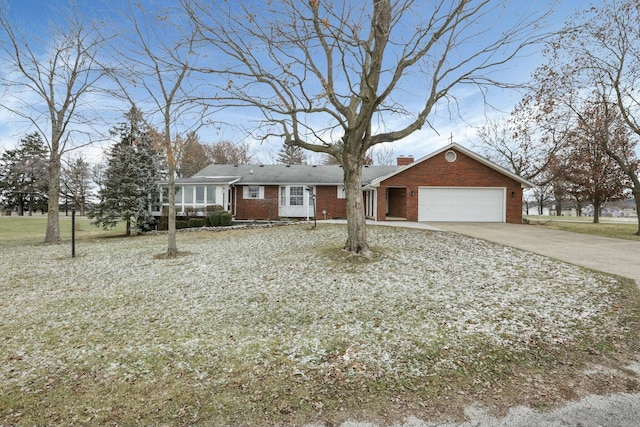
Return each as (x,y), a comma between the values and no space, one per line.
(239,297)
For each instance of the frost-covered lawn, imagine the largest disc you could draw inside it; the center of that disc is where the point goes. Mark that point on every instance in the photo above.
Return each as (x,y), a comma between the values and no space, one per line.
(275,325)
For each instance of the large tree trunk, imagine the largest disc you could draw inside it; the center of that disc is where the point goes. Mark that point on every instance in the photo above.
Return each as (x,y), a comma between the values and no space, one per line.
(356,226)
(53,220)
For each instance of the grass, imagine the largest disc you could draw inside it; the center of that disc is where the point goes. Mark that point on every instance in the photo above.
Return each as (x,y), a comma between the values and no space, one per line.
(584,225)
(31,230)
(271,326)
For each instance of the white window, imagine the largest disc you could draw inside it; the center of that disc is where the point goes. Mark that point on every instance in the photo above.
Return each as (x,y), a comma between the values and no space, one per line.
(200,194)
(283,196)
(296,196)
(211,194)
(188,194)
(253,192)
(341,193)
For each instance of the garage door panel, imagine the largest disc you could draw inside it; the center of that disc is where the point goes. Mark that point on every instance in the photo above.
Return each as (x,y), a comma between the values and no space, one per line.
(461,204)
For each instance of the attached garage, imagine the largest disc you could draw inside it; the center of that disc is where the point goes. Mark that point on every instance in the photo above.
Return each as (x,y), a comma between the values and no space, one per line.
(452,184)
(461,204)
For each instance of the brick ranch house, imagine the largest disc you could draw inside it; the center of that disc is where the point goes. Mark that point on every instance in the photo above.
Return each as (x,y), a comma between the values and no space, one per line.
(450,184)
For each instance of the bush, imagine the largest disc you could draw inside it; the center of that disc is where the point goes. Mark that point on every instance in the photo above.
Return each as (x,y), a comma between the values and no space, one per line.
(225,219)
(219,218)
(213,208)
(196,222)
(163,224)
(189,212)
(214,219)
(181,223)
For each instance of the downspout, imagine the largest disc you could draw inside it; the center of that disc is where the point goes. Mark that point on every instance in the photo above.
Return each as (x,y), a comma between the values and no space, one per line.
(375,204)
(235,200)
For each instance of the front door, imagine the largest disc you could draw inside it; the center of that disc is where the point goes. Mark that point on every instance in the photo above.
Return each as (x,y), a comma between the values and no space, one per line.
(295,201)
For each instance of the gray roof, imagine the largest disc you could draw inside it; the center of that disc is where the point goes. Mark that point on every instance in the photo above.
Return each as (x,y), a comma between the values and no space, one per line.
(205,180)
(285,174)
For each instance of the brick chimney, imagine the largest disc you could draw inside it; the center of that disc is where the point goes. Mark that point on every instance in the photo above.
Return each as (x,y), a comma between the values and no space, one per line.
(404,160)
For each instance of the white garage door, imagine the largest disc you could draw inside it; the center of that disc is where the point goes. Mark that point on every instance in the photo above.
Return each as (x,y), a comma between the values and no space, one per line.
(461,204)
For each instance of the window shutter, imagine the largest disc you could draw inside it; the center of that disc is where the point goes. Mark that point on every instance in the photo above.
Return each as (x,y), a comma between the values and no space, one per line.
(245,192)
(261,196)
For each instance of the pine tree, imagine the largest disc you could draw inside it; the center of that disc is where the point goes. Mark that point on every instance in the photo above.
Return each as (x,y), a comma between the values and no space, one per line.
(23,175)
(76,181)
(130,178)
(291,155)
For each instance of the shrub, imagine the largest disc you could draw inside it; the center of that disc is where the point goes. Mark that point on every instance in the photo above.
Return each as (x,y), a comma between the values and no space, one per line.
(163,223)
(181,223)
(214,219)
(196,222)
(189,212)
(225,219)
(213,208)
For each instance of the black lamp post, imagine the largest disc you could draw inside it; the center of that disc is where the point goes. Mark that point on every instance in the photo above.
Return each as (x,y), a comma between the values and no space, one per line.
(73,231)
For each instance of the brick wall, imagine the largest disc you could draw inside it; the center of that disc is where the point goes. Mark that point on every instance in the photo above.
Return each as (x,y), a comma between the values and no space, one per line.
(438,172)
(327,199)
(266,208)
(404,160)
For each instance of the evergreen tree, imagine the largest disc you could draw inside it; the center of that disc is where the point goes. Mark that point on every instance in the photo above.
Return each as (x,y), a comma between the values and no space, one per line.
(76,181)
(291,155)
(130,178)
(23,175)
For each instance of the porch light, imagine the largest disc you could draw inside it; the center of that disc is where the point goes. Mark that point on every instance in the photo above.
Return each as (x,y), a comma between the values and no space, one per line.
(513,194)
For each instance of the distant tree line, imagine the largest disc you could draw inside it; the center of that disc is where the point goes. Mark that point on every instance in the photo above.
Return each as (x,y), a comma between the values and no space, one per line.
(575,132)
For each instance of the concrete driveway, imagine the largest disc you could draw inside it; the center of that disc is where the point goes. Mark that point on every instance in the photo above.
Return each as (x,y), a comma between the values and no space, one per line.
(615,256)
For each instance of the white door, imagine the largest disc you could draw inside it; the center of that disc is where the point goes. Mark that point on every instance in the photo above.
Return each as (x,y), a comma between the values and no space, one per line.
(295,201)
(461,204)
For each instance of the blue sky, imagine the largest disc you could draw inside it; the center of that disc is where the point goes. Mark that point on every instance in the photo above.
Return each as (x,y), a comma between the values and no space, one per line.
(37,15)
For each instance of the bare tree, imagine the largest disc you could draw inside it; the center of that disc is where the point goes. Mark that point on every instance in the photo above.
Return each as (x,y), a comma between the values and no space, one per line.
(592,174)
(329,77)
(158,56)
(596,61)
(228,153)
(516,146)
(383,155)
(194,156)
(50,84)
(97,173)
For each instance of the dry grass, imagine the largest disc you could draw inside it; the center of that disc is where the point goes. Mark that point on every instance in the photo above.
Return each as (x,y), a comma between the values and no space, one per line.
(607,228)
(617,231)
(264,327)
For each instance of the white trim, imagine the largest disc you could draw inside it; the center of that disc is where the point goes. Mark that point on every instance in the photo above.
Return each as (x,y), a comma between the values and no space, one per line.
(246,194)
(286,209)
